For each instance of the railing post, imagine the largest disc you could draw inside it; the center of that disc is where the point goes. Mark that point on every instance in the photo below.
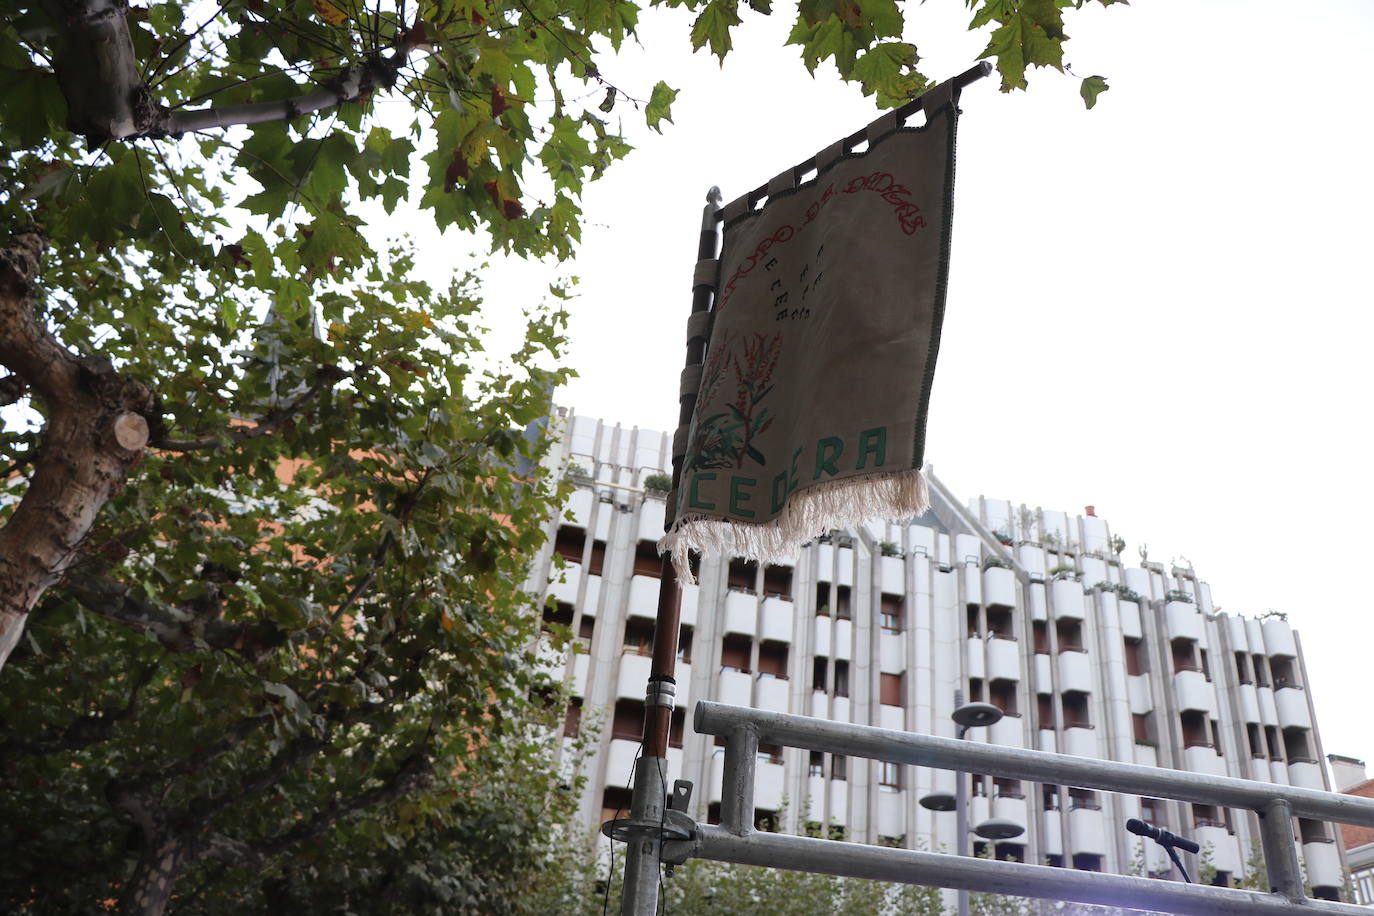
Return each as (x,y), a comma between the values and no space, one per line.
(1280,851)
(737,796)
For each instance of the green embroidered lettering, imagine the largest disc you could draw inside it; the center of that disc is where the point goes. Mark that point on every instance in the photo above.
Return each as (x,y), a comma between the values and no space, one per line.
(826,462)
(696,502)
(780,491)
(737,497)
(872,442)
(792,477)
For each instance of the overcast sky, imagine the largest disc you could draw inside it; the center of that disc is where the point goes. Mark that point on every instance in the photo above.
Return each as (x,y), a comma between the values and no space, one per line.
(1160,307)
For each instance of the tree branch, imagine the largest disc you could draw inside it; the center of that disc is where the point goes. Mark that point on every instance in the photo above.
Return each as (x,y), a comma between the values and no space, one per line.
(87,730)
(176,628)
(108,98)
(414,774)
(326,377)
(12,388)
(97,427)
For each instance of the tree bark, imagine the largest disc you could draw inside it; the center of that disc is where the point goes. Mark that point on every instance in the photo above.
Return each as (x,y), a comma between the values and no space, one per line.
(94,417)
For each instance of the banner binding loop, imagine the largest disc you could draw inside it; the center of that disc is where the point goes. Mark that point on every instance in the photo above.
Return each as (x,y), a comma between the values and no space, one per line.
(705,273)
(699,327)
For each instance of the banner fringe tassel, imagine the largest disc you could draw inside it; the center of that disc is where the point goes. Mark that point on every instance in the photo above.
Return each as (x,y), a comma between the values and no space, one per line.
(893,496)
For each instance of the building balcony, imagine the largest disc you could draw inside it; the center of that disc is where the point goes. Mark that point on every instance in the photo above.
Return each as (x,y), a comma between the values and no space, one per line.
(1194,692)
(1323,863)
(1080,741)
(1249,703)
(1130,618)
(651,519)
(1307,774)
(973,583)
(578,509)
(1138,688)
(999,587)
(687,614)
(581,662)
(821,631)
(1278,638)
(778,615)
(1042,673)
(891,652)
(843,644)
(891,717)
(1146,755)
(620,758)
(716,787)
(893,575)
(768,785)
(1045,741)
(736,688)
(1052,834)
(1013,809)
(1291,705)
(1203,758)
(643,597)
(815,796)
(1087,832)
(1067,597)
(565,591)
(771,693)
(1225,853)
(1269,712)
(1004,659)
(633,677)
(1183,621)
(820,704)
(1075,672)
(1007,731)
(741,613)
(977,662)
(1039,604)
(1278,773)
(1259,769)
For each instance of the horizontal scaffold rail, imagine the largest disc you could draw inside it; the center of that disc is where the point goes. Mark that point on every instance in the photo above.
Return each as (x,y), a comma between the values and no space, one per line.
(908,866)
(1018,763)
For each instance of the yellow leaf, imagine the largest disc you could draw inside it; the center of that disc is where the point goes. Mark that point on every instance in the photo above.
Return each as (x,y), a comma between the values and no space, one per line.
(329,12)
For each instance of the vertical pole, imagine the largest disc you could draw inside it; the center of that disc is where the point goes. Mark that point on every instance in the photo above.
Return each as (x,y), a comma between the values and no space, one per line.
(961,809)
(648,798)
(737,797)
(1280,852)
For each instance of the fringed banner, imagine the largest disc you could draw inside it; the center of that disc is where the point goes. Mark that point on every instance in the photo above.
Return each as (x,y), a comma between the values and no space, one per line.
(811,406)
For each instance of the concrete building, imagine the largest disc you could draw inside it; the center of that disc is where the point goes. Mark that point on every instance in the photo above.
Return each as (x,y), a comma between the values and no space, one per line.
(1351,778)
(1029,609)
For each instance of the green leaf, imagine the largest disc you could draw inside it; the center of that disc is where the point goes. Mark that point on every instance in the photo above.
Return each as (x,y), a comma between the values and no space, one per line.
(660,104)
(1092,87)
(712,27)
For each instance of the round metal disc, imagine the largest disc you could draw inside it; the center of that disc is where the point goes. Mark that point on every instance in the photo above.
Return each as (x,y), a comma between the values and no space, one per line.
(999,828)
(972,715)
(938,801)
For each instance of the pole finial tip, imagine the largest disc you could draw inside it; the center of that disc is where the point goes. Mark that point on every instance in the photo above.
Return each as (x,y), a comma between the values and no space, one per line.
(713,195)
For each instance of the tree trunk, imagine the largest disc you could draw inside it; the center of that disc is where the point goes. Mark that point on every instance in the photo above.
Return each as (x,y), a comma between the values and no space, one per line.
(150,888)
(97,429)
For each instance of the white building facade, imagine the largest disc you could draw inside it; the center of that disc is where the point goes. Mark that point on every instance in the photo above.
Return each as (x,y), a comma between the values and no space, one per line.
(1028,609)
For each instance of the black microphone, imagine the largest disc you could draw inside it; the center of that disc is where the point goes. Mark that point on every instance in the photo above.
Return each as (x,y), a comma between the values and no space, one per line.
(1161,836)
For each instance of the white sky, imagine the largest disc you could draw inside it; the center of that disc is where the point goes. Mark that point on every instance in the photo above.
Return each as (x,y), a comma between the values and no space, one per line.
(1160,307)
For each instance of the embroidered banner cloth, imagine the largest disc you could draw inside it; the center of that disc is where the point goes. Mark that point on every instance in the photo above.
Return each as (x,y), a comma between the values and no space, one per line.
(811,409)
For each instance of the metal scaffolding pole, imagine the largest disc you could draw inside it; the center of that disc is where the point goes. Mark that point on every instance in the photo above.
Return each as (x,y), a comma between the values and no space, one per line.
(648,822)
(736,841)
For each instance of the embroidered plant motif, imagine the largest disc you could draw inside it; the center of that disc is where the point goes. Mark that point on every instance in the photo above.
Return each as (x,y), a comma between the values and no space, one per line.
(726,438)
